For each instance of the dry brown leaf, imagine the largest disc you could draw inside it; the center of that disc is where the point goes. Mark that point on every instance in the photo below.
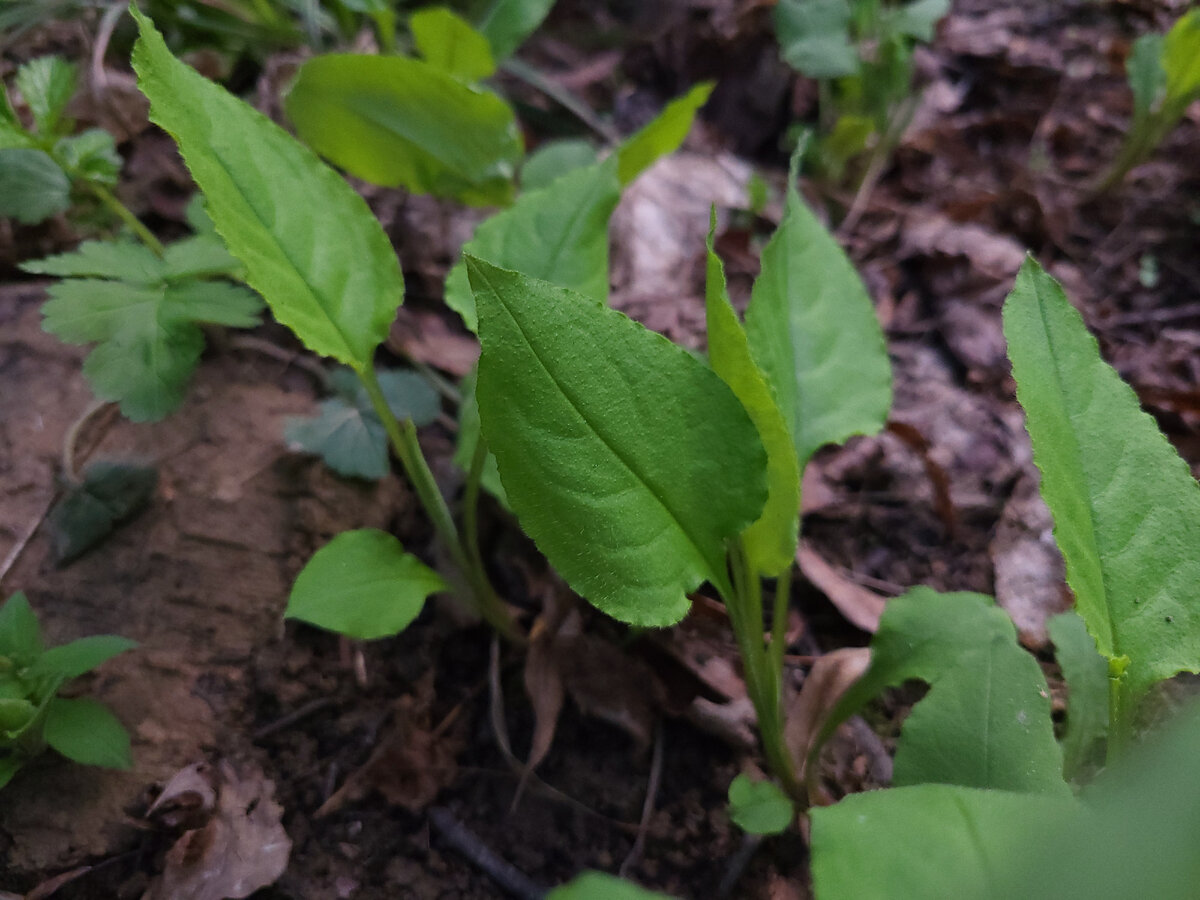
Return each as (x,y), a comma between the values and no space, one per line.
(995,255)
(241,848)
(830,677)
(861,607)
(543,677)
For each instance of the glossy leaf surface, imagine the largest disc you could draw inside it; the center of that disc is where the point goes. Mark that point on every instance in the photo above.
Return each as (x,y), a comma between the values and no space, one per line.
(628,461)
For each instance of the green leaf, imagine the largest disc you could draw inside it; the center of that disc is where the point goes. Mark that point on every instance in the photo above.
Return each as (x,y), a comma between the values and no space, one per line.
(1181,60)
(468,438)
(110,493)
(402,122)
(814,37)
(759,807)
(201,256)
(601,886)
(78,657)
(20,636)
(448,41)
(149,340)
(813,331)
(1086,674)
(91,155)
(117,260)
(1126,508)
(332,277)
(47,84)
(554,159)
(16,715)
(1147,77)
(557,234)
(85,731)
(363,585)
(986,720)
(348,434)
(506,23)
(928,841)
(629,462)
(916,19)
(32,186)
(771,541)
(662,135)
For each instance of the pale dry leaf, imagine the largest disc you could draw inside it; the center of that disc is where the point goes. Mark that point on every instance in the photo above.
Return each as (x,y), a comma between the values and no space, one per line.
(861,607)
(241,848)
(830,677)
(543,677)
(994,255)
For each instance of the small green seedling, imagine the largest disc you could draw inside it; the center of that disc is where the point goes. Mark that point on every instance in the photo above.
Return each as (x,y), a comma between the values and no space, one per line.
(980,781)
(33,716)
(861,52)
(1164,74)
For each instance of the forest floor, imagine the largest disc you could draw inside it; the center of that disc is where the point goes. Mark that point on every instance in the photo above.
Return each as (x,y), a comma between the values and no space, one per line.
(385,761)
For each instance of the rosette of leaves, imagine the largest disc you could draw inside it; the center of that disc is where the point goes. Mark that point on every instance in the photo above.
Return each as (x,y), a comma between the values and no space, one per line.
(33,716)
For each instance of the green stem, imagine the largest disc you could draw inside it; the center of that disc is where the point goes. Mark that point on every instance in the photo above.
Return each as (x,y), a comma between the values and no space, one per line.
(122,212)
(470,511)
(403,438)
(764,678)
(1120,727)
(783,593)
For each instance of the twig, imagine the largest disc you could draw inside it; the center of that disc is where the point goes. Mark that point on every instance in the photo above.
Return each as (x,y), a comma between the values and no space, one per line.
(738,864)
(69,474)
(510,879)
(296,715)
(639,844)
(1148,316)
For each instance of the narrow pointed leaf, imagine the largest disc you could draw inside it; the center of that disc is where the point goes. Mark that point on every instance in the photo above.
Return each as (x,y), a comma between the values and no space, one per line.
(986,720)
(88,733)
(363,585)
(628,461)
(1086,674)
(557,234)
(663,135)
(71,660)
(814,332)
(771,541)
(1126,508)
(309,243)
(402,122)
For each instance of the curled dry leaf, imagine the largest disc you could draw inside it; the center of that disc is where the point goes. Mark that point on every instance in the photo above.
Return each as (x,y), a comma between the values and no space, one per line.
(240,848)
(830,677)
(861,607)
(543,678)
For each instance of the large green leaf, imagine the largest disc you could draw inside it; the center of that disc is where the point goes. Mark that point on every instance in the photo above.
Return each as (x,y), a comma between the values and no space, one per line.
(85,731)
(771,541)
(662,135)
(813,331)
(1126,508)
(628,461)
(506,23)
(928,841)
(1086,674)
(309,243)
(363,585)
(448,41)
(814,37)
(986,720)
(47,84)
(32,186)
(558,234)
(402,122)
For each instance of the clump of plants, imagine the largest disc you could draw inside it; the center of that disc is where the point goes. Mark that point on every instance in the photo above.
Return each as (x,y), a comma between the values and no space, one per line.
(32,715)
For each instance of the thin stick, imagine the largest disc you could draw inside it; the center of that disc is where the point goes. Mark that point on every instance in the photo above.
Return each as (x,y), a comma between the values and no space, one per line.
(296,715)
(639,845)
(510,879)
(738,863)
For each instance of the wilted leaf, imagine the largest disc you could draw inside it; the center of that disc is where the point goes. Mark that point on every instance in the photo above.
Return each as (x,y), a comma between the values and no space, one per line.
(110,494)
(831,676)
(861,607)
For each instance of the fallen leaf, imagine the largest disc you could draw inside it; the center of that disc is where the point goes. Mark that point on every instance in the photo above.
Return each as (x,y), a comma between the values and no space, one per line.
(830,677)
(543,677)
(425,337)
(241,848)
(861,607)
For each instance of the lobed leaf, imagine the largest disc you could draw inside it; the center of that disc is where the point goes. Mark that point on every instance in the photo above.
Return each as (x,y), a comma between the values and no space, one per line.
(771,541)
(401,122)
(363,585)
(87,732)
(985,722)
(116,260)
(1126,508)
(627,461)
(814,332)
(448,41)
(32,186)
(91,155)
(332,278)
(47,84)
(557,234)
(662,136)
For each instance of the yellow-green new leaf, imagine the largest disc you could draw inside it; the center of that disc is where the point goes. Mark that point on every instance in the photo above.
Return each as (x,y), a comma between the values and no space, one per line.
(771,541)
(813,331)
(309,243)
(628,461)
(1126,508)
(448,41)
